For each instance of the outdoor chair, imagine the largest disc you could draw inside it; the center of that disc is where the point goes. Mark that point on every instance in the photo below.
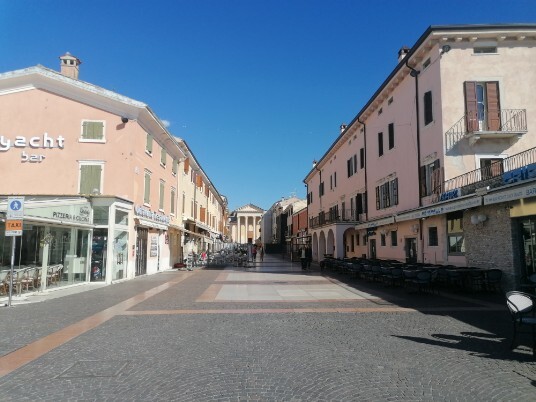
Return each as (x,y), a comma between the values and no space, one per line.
(492,280)
(522,311)
(422,281)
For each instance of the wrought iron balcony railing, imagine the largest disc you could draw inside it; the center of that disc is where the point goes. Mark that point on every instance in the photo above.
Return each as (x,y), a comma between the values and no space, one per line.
(508,123)
(343,216)
(515,168)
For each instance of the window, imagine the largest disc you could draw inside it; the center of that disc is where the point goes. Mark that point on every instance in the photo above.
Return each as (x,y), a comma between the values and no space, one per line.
(390,100)
(91,178)
(147,188)
(321,189)
(357,239)
(430,178)
(149,144)
(432,236)
(161,198)
(426,63)
(163,157)
(352,249)
(482,106)
(491,167)
(183,202)
(455,237)
(331,182)
(382,240)
(391,135)
(394,238)
(92,131)
(362,157)
(380,144)
(174,167)
(387,194)
(428,113)
(484,49)
(361,203)
(351,165)
(334,179)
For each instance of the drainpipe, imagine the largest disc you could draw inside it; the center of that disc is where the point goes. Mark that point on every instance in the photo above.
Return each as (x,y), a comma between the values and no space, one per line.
(415,74)
(365,152)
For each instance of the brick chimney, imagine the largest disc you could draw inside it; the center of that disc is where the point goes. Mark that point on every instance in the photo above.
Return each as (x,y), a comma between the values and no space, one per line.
(69,65)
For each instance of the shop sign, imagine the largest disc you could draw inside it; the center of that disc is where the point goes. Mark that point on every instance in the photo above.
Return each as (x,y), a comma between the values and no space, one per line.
(33,143)
(510,195)
(153,216)
(80,213)
(450,195)
(441,209)
(374,224)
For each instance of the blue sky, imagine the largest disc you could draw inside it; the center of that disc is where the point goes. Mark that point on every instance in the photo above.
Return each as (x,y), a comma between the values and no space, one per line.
(258,89)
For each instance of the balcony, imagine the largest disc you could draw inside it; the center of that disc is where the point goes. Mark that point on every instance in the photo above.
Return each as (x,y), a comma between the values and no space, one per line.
(345,216)
(508,123)
(516,168)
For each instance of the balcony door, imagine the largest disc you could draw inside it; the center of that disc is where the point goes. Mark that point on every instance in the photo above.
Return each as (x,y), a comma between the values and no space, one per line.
(482,106)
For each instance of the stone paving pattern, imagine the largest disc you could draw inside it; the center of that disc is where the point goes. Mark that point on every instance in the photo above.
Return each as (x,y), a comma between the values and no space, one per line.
(439,348)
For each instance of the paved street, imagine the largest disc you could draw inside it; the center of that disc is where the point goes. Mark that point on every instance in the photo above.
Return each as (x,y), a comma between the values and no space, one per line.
(269,332)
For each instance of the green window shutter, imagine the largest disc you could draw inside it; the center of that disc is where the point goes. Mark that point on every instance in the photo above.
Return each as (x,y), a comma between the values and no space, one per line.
(147,193)
(175,166)
(149,146)
(163,156)
(93,130)
(161,201)
(90,178)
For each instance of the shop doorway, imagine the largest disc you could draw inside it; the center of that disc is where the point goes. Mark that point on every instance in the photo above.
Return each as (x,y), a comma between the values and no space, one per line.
(411,249)
(528,236)
(141,251)
(372,245)
(98,255)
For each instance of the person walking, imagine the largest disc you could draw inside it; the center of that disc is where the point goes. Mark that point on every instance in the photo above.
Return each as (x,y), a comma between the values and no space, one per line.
(309,256)
(254,253)
(303,258)
(261,252)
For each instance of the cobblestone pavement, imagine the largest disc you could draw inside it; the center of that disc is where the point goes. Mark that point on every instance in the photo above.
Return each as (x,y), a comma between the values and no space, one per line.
(301,336)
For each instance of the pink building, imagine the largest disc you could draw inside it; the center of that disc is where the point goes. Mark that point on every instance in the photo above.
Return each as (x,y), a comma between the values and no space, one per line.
(437,167)
(109,192)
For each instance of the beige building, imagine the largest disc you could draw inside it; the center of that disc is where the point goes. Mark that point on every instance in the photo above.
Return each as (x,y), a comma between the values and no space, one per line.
(437,167)
(109,192)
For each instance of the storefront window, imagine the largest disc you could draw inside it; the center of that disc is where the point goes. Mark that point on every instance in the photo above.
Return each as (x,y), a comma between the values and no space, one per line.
(121,217)
(120,254)
(100,215)
(455,236)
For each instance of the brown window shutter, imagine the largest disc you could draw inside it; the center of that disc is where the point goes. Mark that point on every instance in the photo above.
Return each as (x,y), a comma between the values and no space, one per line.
(471,106)
(206,191)
(202,214)
(494,109)
(186,165)
(423,181)
(199,181)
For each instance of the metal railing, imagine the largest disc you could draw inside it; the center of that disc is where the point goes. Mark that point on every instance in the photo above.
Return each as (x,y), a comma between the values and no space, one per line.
(498,174)
(326,218)
(510,121)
